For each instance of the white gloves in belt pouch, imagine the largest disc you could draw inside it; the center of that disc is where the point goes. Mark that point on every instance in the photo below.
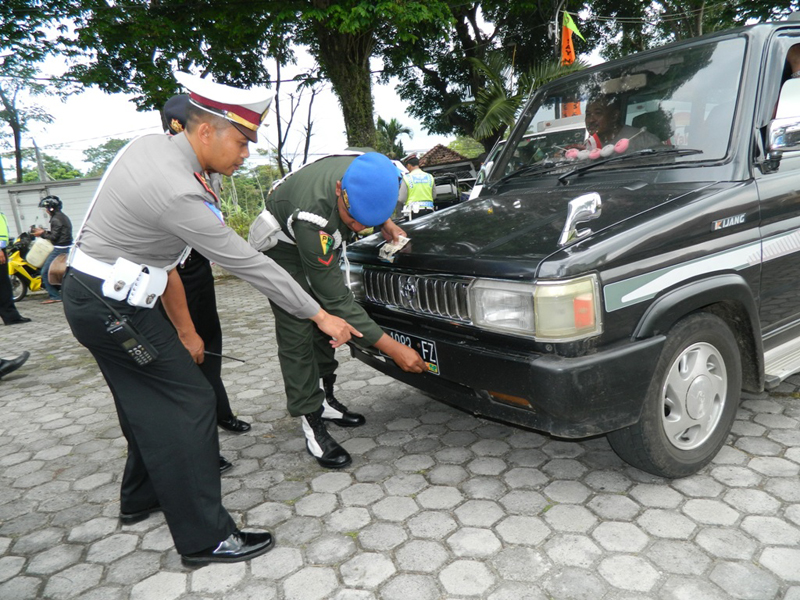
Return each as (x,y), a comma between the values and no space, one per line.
(141,285)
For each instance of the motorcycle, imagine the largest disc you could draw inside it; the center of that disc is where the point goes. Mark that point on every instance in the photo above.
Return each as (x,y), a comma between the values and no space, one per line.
(24,276)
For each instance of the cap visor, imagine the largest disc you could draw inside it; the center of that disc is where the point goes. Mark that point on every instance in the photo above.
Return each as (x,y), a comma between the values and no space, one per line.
(248,133)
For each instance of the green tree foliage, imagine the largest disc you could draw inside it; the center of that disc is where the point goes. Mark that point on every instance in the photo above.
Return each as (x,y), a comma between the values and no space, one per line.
(388,134)
(467,146)
(441,75)
(136,45)
(629,26)
(242,195)
(55,168)
(23,44)
(101,156)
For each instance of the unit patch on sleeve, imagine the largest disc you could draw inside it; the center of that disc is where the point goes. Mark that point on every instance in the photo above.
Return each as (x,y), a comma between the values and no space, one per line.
(326,241)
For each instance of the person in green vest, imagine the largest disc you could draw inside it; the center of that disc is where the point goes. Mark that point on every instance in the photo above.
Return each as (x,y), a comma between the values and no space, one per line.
(8,310)
(418,190)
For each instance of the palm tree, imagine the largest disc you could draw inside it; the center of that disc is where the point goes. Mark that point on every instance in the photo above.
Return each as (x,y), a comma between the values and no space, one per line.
(499,101)
(388,132)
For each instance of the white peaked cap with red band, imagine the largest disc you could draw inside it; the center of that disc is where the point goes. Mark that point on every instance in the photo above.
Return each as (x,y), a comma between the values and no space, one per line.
(245,109)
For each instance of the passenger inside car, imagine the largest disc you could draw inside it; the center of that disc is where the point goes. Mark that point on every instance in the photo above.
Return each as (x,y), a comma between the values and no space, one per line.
(604,122)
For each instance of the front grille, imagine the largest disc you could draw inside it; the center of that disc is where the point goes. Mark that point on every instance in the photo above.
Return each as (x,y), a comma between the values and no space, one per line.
(433,296)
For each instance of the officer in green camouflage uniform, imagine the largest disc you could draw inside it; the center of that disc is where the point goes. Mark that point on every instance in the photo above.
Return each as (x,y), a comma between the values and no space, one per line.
(320,207)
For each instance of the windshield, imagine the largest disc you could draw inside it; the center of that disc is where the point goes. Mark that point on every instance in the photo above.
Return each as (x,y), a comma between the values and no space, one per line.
(682,99)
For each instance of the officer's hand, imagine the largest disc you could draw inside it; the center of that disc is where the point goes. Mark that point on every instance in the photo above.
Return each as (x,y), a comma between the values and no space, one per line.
(340,330)
(37,231)
(194,344)
(2,257)
(391,231)
(406,358)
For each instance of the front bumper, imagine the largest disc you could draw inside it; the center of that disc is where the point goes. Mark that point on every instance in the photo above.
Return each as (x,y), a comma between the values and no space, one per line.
(567,397)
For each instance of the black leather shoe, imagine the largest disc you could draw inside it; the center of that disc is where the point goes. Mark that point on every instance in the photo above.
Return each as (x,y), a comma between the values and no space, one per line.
(17,321)
(234,425)
(9,366)
(135,517)
(240,545)
(321,445)
(224,464)
(334,411)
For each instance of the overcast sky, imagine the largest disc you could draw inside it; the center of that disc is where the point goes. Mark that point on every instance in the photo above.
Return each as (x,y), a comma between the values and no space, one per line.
(92,117)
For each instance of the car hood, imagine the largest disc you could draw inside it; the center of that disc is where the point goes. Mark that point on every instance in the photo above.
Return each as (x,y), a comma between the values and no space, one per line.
(483,235)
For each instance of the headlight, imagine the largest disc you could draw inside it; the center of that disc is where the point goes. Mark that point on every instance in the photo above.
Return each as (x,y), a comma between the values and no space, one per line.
(502,306)
(557,311)
(567,310)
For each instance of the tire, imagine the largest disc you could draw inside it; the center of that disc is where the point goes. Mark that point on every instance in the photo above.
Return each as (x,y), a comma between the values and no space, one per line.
(691,402)
(19,287)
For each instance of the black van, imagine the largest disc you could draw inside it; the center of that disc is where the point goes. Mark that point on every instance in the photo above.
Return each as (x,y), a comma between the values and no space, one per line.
(631,284)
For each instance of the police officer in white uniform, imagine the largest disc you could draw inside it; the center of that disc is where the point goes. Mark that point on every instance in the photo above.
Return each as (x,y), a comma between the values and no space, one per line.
(152,204)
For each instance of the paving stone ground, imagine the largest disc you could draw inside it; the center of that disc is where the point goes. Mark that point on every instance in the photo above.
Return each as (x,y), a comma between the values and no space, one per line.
(436,505)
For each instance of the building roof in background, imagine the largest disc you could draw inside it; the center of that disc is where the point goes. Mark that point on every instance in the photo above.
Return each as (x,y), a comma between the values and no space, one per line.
(441,155)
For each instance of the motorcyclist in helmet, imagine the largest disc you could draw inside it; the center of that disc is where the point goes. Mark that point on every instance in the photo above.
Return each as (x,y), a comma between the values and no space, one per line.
(60,234)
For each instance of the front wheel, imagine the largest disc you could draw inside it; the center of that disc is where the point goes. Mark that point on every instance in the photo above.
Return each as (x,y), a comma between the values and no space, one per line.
(19,287)
(691,402)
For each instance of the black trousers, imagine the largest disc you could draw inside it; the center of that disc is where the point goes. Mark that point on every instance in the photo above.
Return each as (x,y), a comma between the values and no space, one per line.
(198,283)
(167,412)
(8,310)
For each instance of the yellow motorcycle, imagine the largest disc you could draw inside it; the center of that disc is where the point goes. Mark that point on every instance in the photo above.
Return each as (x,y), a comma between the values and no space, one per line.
(24,276)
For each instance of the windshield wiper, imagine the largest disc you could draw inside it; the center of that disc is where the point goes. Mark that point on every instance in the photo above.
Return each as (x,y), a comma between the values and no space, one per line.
(620,157)
(528,170)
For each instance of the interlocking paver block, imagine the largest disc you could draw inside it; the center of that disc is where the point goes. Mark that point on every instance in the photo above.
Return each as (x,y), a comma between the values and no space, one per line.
(316,505)
(784,562)
(439,497)
(744,581)
(679,557)
(572,550)
(567,517)
(474,542)
(112,548)
(347,519)
(217,578)
(628,573)
(574,583)
(430,524)
(382,537)
(517,563)
(487,465)
(367,570)
(666,524)
(711,512)
(568,492)
(771,530)
(277,563)
(527,531)
(395,508)
(73,581)
(55,559)
(466,577)
(421,555)
(406,586)
(330,549)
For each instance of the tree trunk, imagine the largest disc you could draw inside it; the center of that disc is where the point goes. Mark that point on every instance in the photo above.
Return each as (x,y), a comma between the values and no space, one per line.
(345,60)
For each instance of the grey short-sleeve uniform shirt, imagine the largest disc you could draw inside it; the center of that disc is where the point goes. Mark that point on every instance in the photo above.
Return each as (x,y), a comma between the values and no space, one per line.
(151,205)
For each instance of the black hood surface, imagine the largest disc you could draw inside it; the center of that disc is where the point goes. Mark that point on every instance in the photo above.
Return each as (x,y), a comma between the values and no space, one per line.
(521,225)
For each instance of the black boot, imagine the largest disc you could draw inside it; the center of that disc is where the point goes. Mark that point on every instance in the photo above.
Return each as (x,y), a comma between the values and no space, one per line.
(336,412)
(320,444)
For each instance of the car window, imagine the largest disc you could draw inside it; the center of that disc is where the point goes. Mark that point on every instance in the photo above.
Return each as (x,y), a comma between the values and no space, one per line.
(684,99)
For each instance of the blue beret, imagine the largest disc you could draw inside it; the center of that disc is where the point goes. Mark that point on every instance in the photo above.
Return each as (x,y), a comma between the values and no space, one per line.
(371,187)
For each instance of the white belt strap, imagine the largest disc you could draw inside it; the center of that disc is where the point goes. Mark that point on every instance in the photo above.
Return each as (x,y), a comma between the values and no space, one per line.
(91,266)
